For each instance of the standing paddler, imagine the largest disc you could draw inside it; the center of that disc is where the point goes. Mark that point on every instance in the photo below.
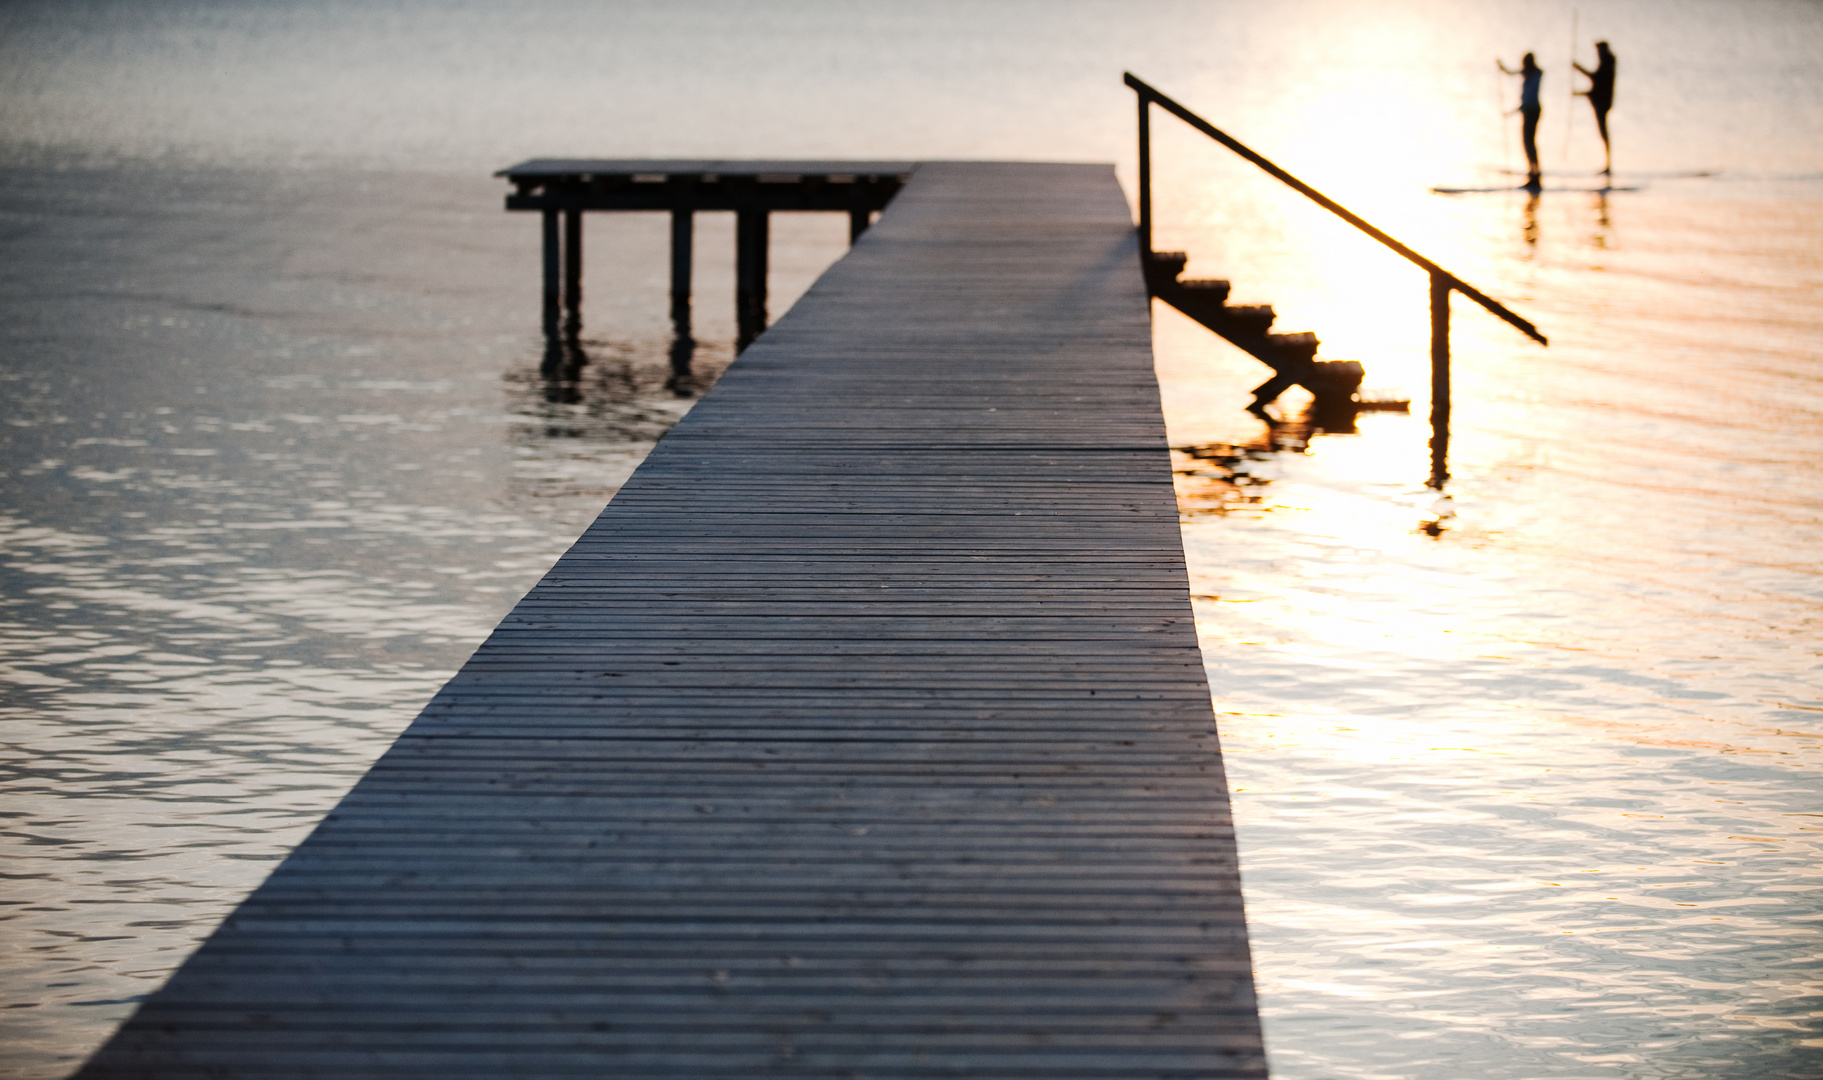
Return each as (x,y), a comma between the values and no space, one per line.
(1530,109)
(1601,98)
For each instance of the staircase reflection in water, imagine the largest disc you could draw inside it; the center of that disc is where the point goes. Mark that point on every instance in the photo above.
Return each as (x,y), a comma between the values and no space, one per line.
(1220,479)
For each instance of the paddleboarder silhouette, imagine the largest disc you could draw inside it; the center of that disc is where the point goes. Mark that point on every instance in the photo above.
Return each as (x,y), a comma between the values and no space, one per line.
(1601,98)
(1530,109)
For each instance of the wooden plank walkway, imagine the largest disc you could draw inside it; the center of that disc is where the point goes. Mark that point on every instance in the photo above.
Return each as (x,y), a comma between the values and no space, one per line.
(864,735)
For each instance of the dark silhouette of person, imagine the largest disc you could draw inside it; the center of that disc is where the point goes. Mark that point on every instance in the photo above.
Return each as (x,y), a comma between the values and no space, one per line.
(1530,109)
(1601,98)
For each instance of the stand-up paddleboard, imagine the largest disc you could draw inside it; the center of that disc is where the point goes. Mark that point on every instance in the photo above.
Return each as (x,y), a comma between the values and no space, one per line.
(1688,174)
(1531,191)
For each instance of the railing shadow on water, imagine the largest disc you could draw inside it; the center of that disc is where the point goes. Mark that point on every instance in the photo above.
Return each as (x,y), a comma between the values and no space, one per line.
(1442,282)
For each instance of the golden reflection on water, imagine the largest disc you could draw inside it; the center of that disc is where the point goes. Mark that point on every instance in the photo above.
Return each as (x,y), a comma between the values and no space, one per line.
(1526,773)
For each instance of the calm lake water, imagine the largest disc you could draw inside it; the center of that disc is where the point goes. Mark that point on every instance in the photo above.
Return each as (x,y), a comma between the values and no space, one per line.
(1526,773)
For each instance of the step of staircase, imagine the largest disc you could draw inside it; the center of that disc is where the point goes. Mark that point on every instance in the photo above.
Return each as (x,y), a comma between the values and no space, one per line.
(1210,290)
(1248,318)
(1302,345)
(1166,265)
(1292,356)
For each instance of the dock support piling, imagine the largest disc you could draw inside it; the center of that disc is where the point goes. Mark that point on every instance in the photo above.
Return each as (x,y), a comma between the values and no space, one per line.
(1440,379)
(553,290)
(858,220)
(683,237)
(750,240)
(572,271)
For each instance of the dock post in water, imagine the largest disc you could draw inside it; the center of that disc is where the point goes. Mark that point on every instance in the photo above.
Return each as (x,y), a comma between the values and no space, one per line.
(553,280)
(865,732)
(750,259)
(682,381)
(572,272)
(683,232)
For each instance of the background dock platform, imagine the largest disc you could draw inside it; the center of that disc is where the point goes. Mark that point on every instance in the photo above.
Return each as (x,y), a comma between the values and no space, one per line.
(864,734)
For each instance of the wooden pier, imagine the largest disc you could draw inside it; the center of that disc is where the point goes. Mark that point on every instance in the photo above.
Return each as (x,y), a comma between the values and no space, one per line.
(864,734)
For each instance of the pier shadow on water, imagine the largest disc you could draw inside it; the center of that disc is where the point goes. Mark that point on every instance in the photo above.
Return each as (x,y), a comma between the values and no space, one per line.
(612,391)
(581,413)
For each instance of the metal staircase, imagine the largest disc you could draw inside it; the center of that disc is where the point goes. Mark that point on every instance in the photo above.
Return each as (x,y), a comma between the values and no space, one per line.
(1292,357)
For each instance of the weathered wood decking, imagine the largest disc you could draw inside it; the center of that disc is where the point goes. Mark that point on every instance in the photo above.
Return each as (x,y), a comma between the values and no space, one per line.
(863,735)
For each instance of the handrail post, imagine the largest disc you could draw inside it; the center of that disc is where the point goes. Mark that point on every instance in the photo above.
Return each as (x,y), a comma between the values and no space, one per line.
(1441,287)
(1145,176)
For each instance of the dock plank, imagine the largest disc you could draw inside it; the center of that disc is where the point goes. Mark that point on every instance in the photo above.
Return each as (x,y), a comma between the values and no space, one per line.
(864,734)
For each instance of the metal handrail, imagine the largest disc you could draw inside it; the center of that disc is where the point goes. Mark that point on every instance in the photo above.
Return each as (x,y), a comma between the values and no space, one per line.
(1145,212)
(1442,281)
